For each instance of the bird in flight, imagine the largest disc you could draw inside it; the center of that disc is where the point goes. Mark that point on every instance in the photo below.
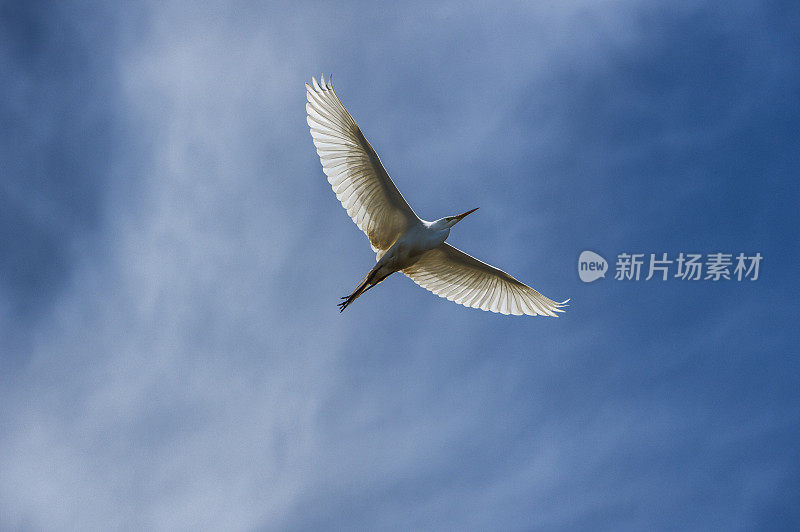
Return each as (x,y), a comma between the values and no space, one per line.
(402,241)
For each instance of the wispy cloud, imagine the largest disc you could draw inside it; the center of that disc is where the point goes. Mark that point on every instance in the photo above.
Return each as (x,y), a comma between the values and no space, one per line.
(192,371)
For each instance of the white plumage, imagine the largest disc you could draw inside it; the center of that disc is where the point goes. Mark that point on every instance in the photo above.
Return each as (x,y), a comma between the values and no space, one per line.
(402,241)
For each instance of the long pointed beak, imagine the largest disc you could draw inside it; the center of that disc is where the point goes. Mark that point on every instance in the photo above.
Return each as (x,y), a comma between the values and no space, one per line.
(460,216)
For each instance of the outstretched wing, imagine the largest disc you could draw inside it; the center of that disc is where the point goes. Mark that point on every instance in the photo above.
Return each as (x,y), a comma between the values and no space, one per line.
(452,274)
(354,170)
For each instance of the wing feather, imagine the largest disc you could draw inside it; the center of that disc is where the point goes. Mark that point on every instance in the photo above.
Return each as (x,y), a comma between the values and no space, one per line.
(450,273)
(354,170)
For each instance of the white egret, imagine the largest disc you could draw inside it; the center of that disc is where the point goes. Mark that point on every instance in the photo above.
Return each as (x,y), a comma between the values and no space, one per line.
(404,242)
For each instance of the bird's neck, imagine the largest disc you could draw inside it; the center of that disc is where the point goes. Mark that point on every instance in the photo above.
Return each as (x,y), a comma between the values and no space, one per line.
(438,231)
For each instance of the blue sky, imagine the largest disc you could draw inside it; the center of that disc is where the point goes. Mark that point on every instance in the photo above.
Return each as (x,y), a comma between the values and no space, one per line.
(172,255)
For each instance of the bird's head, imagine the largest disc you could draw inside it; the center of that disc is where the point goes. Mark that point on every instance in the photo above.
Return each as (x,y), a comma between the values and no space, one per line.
(450,221)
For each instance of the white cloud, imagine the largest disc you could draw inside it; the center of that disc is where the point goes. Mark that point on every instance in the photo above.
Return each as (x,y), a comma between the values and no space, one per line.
(195,373)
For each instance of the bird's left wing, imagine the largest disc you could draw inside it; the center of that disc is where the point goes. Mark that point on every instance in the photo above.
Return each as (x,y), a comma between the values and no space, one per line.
(354,170)
(450,273)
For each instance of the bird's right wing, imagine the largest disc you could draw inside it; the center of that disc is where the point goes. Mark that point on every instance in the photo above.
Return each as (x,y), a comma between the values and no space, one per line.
(354,170)
(450,273)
